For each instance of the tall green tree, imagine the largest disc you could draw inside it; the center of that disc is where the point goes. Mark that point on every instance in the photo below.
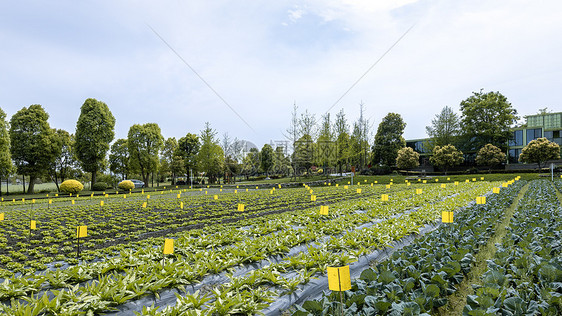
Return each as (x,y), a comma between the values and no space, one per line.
(266,158)
(540,151)
(490,156)
(251,162)
(6,165)
(486,118)
(65,162)
(144,143)
(94,133)
(119,158)
(444,128)
(211,155)
(169,159)
(446,157)
(342,141)
(34,145)
(188,148)
(389,140)
(326,155)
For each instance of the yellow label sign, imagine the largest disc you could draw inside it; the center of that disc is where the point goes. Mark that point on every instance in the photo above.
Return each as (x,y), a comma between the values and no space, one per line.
(358,190)
(388,186)
(496,190)
(101,203)
(384,197)
(72,202)
(447,217)
(419,191)
(179,195)
(81,231)
(443,185)
(424,181)
(216,197)
(346,187)
(33,225)
(240,207)
(324,210)
(313,198)
(50,201)
(337,184)
(408,184)
(168,246)
(456,183)
(339,278)
(144,205)
(481,200)
(1,216)
(181,205)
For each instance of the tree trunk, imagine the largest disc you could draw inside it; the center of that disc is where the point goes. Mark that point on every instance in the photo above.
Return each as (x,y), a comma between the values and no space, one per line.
(23,179)
(1,185)
(93,179)
(30,188)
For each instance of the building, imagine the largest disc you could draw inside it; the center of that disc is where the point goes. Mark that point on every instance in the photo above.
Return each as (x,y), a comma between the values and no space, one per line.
(547,125)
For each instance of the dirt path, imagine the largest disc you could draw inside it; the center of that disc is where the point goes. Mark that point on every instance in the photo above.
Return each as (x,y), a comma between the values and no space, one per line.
(457,301)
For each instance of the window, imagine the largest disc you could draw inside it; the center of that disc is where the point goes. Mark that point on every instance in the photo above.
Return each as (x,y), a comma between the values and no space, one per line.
(514,155)
(533,134)
(517,139)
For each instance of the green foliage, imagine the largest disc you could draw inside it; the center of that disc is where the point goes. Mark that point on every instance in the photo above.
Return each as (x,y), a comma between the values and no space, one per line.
(540,151)
(144,143)
(342,140)
(71,186)
(389,140)
(490,156)
(34,145)
(444,128)
(266,158)
(211,154)
(5,156)
(94,132)
(119,158)
(486,119)
(188,148)
(407,158)
(99,186)
(446,157)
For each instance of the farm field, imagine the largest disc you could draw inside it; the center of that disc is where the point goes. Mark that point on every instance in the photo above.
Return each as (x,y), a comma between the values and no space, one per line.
(257,259)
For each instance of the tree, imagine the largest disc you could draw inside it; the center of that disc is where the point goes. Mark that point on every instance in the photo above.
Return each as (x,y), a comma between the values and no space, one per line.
(144,143)
(407,158)
(94,132)
(251,162)
(486,119)
(119,158)
(389,140)
(490,156)
(325,145)
(188,148)
(540,151)
(342,140)
(168,155)
(62,165)
(293,134)
(446,156)
(444,128)
(6,165)
(304,152)
(266,158)
(211,155)
(34,146)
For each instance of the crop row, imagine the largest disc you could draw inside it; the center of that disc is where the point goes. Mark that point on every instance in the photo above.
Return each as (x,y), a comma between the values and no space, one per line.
(525,275)
(187,265)
(419,278)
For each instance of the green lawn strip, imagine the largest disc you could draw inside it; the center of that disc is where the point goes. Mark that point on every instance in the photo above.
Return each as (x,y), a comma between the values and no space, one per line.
(457,301)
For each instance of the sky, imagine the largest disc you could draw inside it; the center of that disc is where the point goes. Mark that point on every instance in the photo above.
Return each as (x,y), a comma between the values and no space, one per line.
(242,65)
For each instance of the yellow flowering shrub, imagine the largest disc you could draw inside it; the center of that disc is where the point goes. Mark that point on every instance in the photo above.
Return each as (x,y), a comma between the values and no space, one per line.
(126,185)
(71,186)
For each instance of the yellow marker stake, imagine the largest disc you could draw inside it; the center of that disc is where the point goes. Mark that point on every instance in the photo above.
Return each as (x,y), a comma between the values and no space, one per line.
(346,187)
(1,216)
(23,200)
(424,181)
(179,195)
(72,202)
(216,197)
(124,196)
(456,183)
(481,200)
(324,210)
(168,246)
(56,194)
(443,185)
(313,198)
(418,191)
(148,196)
(481,178)
(388,186)
(358,190)
(50,201)
(447,217)
(436,180)
(81,231)
(235,191)
(240,207)
(384,197)
(467,181)
(339,278)
(337,184)
(408,184)
(496,190)
(101,203)
(33,225)
(376,182)
(181,205)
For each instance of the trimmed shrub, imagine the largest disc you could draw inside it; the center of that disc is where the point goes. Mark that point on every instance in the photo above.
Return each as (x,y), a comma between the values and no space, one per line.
(126,185)
(71,186)
(99,186)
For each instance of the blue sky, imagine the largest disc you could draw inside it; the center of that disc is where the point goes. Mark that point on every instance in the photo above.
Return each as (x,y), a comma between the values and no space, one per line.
(262,56)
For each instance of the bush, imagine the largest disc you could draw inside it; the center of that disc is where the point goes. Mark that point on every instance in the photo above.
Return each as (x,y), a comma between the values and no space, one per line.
(71,186)
(99,186)
(126,185)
